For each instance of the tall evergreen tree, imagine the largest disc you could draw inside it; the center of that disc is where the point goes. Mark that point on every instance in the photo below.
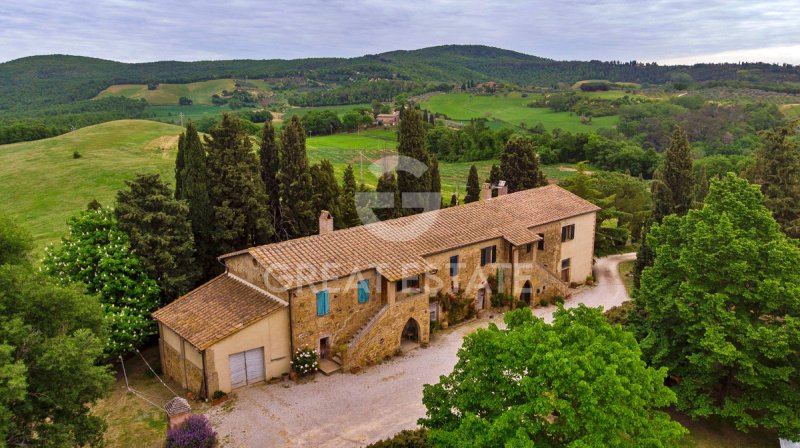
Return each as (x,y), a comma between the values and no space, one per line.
(195,192)
(327,195)
(349,210)
(673,192)
(473,186)
(519,165)
(678,174)
(298,216)
(411,147)
(179,165)
(495,175)
(241,219)
(387,183)
(160,233)
(269,158)
(777,171)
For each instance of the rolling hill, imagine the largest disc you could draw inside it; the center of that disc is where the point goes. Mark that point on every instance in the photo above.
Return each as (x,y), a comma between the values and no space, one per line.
(43,184)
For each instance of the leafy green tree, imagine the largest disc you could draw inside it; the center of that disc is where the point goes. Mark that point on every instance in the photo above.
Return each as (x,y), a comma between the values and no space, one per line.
(195,192)
(720,308)
(241,218)
(160,233)
(52,345)
(579,382)
(473,186)
(701,185)
(387,183)
(349,209)
(777,170)
(98,254)
(296,190)
(412,148)
(327,194)
(180,164)
(269,156)
(519,165)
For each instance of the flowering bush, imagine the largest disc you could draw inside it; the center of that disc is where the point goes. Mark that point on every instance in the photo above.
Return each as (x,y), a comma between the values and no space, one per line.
(98,254)
(195,433)
(305,361)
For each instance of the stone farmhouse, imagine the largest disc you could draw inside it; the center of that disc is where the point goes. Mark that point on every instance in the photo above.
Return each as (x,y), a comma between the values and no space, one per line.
(360,294)
(391,119)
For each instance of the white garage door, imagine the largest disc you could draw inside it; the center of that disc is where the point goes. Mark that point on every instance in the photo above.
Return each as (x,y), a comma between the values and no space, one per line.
(246,367)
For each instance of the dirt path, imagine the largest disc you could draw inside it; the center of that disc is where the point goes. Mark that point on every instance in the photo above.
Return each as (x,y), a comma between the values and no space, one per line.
(346,410)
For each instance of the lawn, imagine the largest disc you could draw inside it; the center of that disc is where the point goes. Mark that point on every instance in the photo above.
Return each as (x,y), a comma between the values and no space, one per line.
(626,272)
(43,185)
(168,94)
(511,110)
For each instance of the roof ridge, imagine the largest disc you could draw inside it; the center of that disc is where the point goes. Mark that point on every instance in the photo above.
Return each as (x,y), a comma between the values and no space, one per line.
(256,288)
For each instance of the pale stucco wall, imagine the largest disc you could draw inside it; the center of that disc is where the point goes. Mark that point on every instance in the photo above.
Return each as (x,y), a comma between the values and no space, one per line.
(581,249)
(272,333)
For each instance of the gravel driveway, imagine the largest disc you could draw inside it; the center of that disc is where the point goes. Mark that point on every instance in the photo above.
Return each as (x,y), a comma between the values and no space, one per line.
(346,410)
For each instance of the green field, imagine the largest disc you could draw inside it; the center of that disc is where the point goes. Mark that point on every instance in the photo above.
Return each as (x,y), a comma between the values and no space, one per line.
(168,94)
(511,110)
(43,185)
(171,114)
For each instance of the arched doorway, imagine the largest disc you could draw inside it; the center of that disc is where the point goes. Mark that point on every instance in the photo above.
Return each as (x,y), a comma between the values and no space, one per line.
(527,293)
(411,331)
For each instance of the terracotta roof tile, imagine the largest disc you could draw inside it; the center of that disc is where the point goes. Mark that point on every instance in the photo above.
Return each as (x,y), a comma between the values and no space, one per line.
(397,247)
(216,310)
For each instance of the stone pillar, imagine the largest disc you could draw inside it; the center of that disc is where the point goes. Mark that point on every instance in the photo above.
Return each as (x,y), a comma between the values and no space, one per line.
(502,188)
(325,222)
(391,293)
(514,272)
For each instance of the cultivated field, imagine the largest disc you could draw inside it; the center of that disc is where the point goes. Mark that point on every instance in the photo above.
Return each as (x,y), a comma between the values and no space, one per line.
(168,94)
(511,110)
(171,114)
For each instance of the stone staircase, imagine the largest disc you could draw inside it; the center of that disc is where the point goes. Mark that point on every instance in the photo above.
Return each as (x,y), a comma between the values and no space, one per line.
(365,328)
(551,281)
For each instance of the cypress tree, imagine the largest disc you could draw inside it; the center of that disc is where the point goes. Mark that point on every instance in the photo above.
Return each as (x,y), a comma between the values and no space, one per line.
(387,183)
(195,192)
(519,165)
(270,169)
(160,233)
(298,216)
(473,186)
(411,148)
(327,195)
(453,200)
(349,210)
(179,165)
(678,174)
(777,171)
(241,218)
(495,175)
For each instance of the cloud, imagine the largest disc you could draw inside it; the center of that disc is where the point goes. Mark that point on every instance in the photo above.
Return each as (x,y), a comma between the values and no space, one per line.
(660,30)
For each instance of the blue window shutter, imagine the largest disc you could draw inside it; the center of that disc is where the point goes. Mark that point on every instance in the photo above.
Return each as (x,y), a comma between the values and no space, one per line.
(363,291)
(323,303)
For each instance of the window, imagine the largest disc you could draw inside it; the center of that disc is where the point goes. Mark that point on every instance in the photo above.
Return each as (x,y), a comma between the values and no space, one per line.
(540,243)
(408,282)
(488,255)
(323,303)
(363,291)
(528,248)
(565,263)
(454,266)
(568,233)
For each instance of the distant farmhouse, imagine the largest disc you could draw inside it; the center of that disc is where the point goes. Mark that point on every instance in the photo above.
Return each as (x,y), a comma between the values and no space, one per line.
(360,294)
(388,119)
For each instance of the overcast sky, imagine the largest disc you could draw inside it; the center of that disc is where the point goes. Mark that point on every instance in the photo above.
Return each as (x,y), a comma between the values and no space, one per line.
(666,31)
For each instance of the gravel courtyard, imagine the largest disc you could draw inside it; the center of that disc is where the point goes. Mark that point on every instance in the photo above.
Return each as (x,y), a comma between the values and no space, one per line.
(346,410)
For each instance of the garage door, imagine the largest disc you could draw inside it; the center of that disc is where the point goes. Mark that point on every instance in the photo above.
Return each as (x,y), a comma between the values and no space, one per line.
(246,367)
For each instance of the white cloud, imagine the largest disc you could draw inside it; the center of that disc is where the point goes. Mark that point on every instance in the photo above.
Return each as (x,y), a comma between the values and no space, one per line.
(789,54)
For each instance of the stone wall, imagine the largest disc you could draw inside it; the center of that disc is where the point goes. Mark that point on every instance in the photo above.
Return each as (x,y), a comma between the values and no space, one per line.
(550,257)
(346,315)
(382,339)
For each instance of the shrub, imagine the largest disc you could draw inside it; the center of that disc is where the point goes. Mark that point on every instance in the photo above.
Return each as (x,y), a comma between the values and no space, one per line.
(217,394)
(76,155)
(195,433)
(544,302)
(417,438)
(305,361)
(558,300)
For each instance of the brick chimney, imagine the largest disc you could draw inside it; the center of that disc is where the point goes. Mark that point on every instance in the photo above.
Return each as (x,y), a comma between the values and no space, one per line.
(325,222)
(486,191)
(502,187)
